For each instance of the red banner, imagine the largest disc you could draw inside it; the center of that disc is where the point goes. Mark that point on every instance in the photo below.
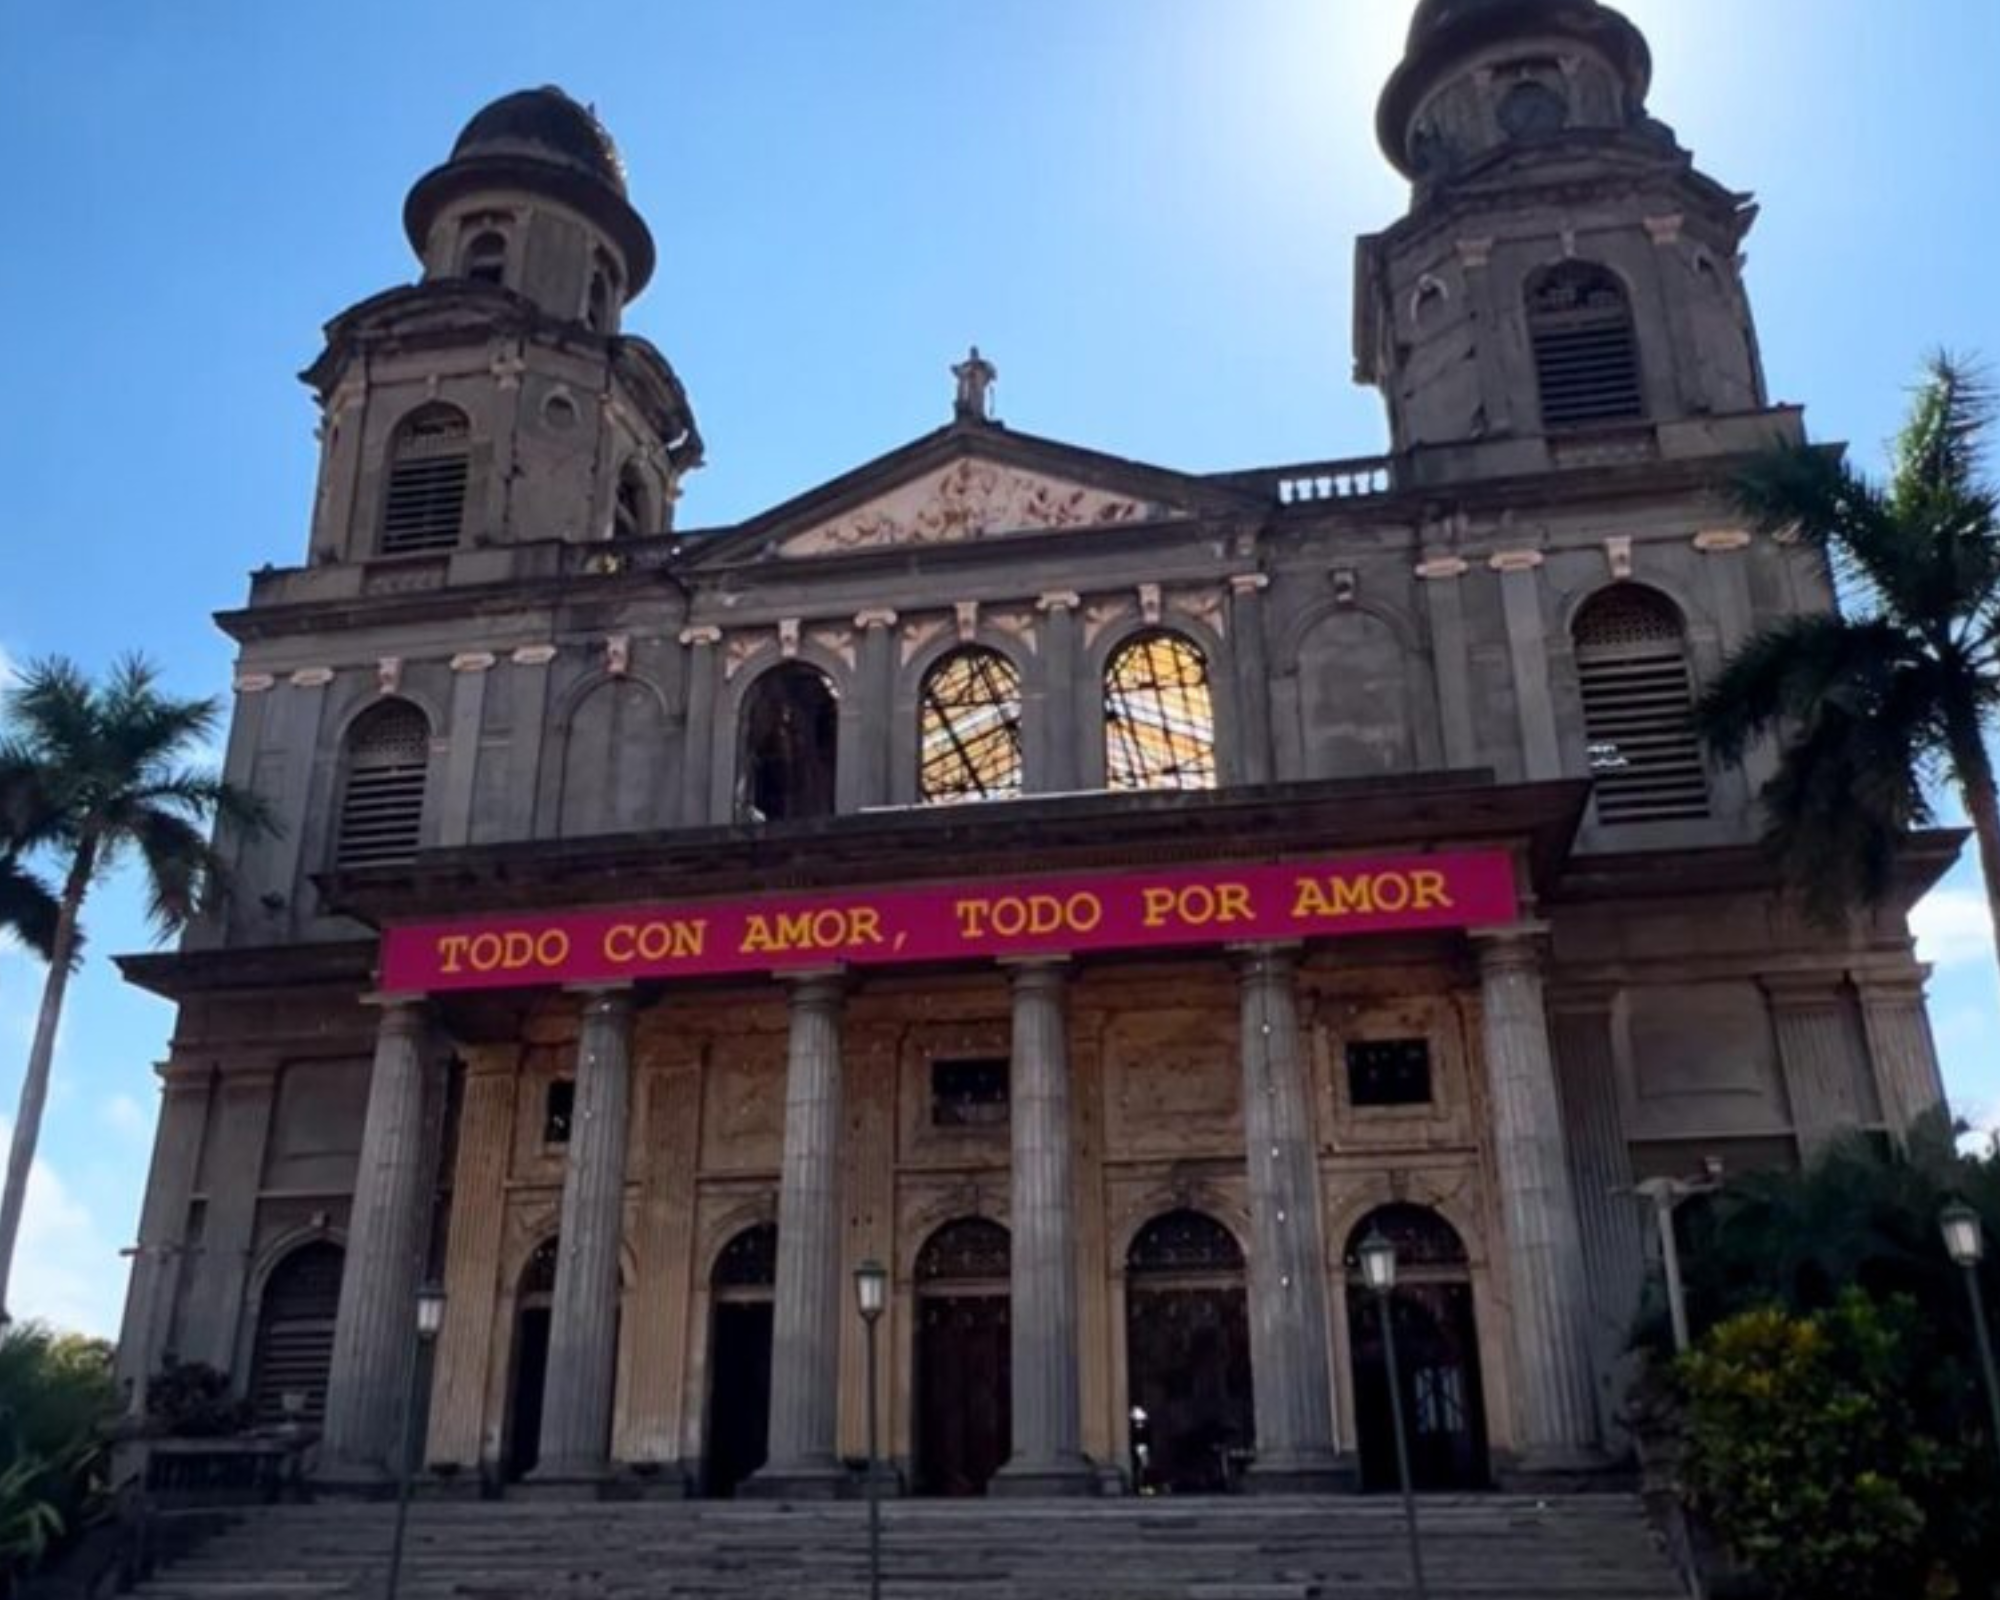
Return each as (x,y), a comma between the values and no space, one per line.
(1029,916)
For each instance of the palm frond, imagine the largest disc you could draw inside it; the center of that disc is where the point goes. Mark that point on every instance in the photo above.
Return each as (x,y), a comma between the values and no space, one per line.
(1796,667)
(183,872)
(1941,450)
(28,910)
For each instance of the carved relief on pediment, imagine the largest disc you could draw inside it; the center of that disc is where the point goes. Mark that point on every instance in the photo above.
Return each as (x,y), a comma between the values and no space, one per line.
(972,499)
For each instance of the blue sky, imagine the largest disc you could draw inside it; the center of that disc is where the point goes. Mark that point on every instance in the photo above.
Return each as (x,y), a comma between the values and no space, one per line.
(1143,211)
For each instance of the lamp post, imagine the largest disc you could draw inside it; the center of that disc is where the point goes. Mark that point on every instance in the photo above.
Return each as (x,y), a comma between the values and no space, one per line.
(1965,1241)
(871,1294)
(1667,1195)
(1378,1270)
(430,1318)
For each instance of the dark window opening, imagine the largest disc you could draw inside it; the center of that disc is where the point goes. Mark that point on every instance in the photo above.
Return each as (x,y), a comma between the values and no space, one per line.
(790,737)
(1532,110)
(970,734)
(629,517)
(1586,347)
(485,259)
(558,1110)
(294,1350)
(969,1092)
(748,1261)
(971,1250)
(597,307)
(382,801)
(1159,716)
(1183,1242)
(424,508)
(1638,708)
(1389,1072)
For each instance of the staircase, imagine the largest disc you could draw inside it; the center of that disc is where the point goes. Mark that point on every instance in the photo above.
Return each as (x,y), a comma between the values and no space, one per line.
(1492,1548)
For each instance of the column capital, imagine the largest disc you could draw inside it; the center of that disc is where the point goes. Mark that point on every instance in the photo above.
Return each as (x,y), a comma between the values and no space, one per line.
(603,999)
(701,636)
(1028,973)
(1278,958)
(1907,984)
(399,1012)
(817,986)
(1248,585)
(1798,991)
(1524,946)
(1058,600)
(876,619)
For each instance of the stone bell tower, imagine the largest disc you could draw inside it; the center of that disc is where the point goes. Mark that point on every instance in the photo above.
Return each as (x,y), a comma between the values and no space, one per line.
(1563,271)
(496,402)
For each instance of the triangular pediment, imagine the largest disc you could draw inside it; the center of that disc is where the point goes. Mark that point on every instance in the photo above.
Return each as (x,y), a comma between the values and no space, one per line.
(976,497)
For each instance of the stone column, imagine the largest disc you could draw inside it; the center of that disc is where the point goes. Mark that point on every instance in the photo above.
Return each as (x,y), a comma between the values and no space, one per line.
(1254,747)
(375,1333)
(1061,770)
(583,1313)
(1556,1401)
(704,686)
(1901,1047)
(875,783)
(1819,1050)
(1290,1350)
(1048,1421)
(805,1345)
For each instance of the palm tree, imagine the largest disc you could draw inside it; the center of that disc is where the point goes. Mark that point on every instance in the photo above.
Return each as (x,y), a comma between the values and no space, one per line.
(1890,694)
(27,909)
(106,769)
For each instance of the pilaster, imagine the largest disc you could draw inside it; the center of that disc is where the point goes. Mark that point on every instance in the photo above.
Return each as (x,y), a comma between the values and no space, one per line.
(1254,750)
(1900,1047)
(704,687)
(239,1126)
(1820,1055)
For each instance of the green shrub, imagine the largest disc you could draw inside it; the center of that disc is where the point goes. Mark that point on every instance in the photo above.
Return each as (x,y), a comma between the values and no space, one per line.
(57,1396)
(1804,1451)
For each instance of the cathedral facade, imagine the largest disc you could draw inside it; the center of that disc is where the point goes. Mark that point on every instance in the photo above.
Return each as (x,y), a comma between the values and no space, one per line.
(1102,894)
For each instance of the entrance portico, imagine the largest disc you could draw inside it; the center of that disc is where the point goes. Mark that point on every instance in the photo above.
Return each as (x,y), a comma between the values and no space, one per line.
(834,1098)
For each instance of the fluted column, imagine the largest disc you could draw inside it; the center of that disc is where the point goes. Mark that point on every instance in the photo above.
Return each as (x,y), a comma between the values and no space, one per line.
(1289,1347)
(1556,1400)
(583,1315)
(1819,1050)
(1047,1413)
(1901,1047)
(802,1457)
(374,1336)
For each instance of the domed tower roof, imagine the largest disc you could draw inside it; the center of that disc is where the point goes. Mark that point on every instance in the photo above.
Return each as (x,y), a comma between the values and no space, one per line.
(541,141)
(1444,32)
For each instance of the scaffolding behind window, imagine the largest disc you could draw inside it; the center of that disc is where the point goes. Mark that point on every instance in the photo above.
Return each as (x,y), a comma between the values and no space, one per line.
(1159,716)
(970,728)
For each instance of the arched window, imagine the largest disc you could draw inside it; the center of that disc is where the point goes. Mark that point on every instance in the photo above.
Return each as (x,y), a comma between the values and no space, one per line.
(294,1349)
(970,728)
(790,733)
(1586,347)
(1424,1241)
(1159,716)
(485,258)
(748,1262)
(1183,1242)
(597,306)
(1632,668)
(629,519)
(970,1250)
(382,797)
(424,508)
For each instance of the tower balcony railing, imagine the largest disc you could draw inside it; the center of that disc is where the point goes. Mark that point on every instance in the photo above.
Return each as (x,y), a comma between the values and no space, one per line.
(1320,482)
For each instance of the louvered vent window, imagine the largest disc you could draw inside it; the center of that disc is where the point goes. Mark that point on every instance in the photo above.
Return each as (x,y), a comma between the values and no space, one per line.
(425,507)
(1631,661)
(295,1337)
(1586,348)
(382,807)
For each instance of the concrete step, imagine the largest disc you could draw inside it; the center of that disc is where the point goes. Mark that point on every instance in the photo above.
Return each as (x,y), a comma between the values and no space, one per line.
(1476,1548)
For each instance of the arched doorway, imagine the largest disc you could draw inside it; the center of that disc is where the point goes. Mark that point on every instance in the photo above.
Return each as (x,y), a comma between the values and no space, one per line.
(1187,1352)
(294,1349)
(531,1360)
(1437,1355)
(739,1358)
(964,1358)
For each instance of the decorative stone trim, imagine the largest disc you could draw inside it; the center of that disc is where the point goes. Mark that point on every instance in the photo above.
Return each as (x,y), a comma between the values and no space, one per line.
(707,635)
(1474,253)
(788,637)
(1058,600)
(534,655)
(1249,583)
(1665,230)
(1440,568)
(1718,541)
(312,677)
(966,613)
(254,682)
(618,654)
(389,675)
(1149,602)
(880,617)
(1618,552)
(473,661)
(1516,560)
